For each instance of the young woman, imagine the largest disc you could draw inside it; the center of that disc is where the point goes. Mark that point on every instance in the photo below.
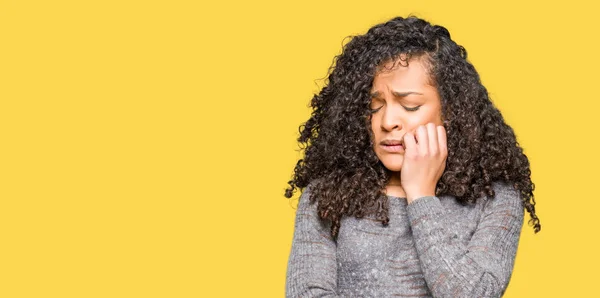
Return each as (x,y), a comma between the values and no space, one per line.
(413,184)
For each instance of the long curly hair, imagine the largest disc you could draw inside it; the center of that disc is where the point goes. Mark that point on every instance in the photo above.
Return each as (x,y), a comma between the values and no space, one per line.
(339,162)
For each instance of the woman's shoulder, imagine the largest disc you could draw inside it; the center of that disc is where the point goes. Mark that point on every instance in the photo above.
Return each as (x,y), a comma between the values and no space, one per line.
(506,197)
(306,200)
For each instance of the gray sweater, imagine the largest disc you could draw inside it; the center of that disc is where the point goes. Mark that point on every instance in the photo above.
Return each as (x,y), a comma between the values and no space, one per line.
(432,247)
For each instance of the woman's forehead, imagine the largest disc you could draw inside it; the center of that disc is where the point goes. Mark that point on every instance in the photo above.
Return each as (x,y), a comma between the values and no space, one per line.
(399,78)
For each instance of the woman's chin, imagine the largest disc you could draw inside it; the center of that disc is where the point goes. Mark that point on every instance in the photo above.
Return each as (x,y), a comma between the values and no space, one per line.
(393,165)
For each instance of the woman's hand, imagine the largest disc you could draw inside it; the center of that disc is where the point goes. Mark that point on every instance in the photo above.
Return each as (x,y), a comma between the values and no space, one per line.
(424,160)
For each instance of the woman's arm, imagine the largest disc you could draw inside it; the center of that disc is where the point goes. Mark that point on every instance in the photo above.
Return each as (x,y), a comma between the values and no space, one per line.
(312,265)
(483,267)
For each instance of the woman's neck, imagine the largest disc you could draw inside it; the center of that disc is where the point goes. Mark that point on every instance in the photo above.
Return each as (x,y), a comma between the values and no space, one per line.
(394,187)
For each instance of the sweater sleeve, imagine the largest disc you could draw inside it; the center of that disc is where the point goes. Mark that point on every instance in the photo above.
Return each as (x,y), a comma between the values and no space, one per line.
(481,268)
(312,265)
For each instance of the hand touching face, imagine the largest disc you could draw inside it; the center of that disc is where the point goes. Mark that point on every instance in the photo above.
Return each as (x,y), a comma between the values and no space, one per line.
(424,160)
(402,99)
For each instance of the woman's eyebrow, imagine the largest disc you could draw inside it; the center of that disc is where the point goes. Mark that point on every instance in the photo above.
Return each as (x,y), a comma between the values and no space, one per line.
(376,94)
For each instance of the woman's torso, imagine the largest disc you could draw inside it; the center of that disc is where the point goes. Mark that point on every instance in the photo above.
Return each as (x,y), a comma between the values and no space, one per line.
(374,260)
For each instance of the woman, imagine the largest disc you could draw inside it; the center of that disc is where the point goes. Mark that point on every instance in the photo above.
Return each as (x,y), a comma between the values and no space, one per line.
(413,183)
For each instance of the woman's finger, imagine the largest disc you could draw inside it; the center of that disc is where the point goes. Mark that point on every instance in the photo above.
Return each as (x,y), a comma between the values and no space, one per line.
(422,140)
(442,141)
(409,142)
(432,134)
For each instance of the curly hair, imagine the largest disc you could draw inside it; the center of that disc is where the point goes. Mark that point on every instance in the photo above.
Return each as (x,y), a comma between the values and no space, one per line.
(339,162)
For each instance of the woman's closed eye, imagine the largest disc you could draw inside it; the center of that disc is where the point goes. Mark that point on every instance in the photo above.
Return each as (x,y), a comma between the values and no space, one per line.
(411,109)
(406,108)
(375,110)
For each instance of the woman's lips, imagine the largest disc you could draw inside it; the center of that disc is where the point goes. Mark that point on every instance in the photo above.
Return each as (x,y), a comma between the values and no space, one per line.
(393,148)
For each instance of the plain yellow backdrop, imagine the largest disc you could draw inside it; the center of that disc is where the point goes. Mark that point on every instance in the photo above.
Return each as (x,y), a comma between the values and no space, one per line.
(146,145)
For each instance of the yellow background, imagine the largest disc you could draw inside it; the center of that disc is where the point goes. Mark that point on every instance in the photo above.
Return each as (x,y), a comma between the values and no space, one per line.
(146,145)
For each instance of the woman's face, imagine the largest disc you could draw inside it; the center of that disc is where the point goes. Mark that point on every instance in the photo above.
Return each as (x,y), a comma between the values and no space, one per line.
(402,99)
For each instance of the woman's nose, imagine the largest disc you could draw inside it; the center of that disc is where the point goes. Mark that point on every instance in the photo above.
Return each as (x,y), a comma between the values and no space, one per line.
(392,119)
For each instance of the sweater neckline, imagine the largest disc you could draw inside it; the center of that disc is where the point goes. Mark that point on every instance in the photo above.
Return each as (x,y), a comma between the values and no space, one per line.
(396,199)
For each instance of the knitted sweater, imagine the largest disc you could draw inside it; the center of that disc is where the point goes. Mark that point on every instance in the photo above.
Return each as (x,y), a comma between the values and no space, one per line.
(432,247)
